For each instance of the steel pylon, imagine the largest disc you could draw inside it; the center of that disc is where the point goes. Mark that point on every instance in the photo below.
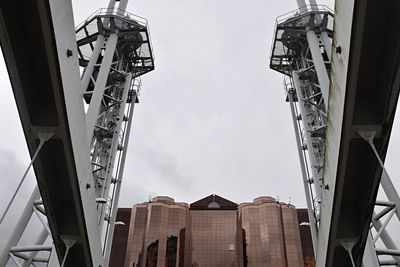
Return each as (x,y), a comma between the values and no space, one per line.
(113,50)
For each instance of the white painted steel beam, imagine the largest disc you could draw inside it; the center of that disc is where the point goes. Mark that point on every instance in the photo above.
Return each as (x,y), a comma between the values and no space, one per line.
(114,147)
(114,208)
(386,238)
(307,134)
(360,95)
(97,95)
(30,248)
(353,108)
(391,252)
(324,35)
(19,228)
(64,30)
(319,64)
(40,240)
(308,74)
(302,5)
(370,259)
(306,182)
(49,100)
(66,177)
(88,73)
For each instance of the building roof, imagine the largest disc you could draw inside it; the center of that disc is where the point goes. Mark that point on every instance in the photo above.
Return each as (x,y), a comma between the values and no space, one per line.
(213,202)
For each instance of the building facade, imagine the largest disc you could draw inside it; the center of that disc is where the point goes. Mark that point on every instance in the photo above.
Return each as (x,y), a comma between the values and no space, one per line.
(271,232)
(211,232)
(216,233)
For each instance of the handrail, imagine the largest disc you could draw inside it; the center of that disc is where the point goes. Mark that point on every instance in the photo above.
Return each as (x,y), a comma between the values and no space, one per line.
(122,15)
(308,9)
(296,13)
(113,12)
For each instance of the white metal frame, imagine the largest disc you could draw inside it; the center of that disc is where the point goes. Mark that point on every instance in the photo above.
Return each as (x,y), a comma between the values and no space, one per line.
(383,215)
(109,118)
(307,89)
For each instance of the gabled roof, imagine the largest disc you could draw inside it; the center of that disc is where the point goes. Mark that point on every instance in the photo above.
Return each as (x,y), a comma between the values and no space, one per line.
(217,203)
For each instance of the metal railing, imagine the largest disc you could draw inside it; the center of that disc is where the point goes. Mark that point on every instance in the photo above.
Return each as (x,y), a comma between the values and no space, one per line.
(296,14)
(121,15)
(113,12)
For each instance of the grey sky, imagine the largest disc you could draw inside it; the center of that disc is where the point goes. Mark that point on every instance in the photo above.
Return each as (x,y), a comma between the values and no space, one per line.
(212,116)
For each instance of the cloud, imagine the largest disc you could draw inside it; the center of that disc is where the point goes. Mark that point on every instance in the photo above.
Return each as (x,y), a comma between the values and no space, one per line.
(212,117)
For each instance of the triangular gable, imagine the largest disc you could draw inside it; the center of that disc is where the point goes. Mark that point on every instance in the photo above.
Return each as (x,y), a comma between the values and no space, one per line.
(204,204)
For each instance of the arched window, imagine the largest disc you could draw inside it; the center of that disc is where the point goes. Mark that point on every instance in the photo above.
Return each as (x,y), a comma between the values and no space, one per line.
(214,205)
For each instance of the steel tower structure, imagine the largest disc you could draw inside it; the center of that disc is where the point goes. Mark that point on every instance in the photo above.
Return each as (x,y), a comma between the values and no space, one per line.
(301,50)
(113,50)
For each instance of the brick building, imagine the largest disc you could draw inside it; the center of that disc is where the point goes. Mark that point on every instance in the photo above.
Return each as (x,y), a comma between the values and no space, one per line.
(211,232)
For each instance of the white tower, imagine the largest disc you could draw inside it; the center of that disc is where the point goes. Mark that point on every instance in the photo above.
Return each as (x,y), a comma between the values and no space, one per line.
(301,50)
(113,50)
(300,53)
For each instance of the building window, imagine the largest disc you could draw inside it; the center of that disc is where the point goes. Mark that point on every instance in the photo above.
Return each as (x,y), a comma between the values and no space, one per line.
(152,254)
(213,205)
(172,243)
(182,247)
(245,259)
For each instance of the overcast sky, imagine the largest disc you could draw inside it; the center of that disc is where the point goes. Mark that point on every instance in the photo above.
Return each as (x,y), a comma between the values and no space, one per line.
(212,116)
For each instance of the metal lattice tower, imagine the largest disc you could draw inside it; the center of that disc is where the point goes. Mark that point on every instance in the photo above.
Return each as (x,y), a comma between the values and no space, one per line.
(301,50)
(113,50)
